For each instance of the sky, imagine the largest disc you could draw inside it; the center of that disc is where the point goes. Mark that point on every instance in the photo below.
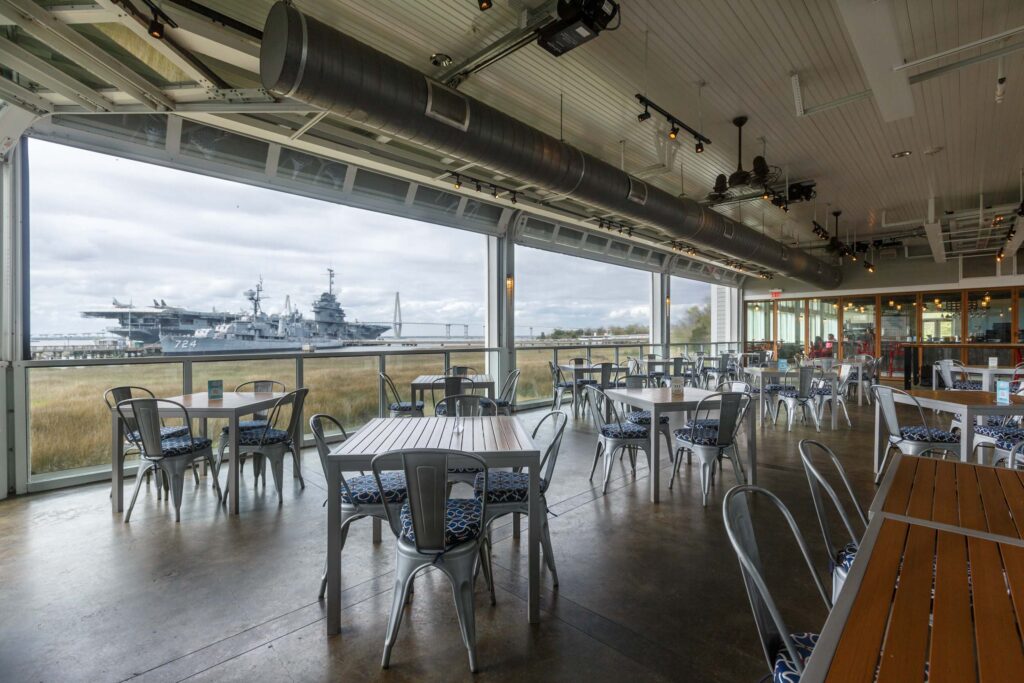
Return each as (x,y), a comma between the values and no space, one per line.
(105,227)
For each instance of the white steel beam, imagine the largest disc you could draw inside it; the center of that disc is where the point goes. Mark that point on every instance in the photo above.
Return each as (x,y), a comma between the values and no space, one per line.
(39,70)
(871,25)
(933,231)
(203,36)
(46,27)
(15,94)
(71,14)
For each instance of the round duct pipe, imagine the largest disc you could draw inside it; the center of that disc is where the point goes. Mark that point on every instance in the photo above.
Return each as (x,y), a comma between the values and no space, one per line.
(307,60)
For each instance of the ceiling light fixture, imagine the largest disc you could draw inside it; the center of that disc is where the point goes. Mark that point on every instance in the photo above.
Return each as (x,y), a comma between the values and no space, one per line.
(484,5)
(644,115)
(902,154)
(156,29)
(673,132)
(868,266)
(675,123)
(766,194)
(458,181)
(699,149)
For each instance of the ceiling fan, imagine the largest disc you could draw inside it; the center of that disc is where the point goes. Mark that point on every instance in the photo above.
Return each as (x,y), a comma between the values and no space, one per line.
(742,181)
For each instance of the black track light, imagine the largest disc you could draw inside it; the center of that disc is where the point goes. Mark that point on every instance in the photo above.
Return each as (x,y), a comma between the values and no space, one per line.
(478,186)
(494,191)
(484,5)
(766,194)
(156,29)
(699,148)
(673,132)
(513,198)
(458,181)
(868,266)
(644,115)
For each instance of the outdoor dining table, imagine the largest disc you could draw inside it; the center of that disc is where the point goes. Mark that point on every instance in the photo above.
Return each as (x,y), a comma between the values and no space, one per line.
(660,401)
(987,373)
(938,582)
(232,406)
(501,441)
(424,383)
(772,370)
(970,405)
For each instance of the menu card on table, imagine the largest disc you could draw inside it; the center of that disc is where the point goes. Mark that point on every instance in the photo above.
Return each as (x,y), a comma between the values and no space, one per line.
(783,365)
(215,389)
(1002,393)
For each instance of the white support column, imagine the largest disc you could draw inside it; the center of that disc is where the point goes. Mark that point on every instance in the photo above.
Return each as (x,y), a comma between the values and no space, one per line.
(661,324)
(500,330)
(12,310)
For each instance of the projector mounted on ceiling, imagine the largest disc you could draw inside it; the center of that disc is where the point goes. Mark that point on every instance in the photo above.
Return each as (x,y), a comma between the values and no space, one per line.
(579,21)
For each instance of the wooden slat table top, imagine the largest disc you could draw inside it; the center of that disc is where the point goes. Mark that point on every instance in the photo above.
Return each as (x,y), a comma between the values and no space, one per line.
(425,381)
(888,621)
(962,398)
(975,497)
(481,435)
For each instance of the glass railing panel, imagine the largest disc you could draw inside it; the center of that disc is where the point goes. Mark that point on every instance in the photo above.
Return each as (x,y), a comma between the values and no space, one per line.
(535,376)
(475,360)
(69,424)
(405,368)
(236,372)
(346,388)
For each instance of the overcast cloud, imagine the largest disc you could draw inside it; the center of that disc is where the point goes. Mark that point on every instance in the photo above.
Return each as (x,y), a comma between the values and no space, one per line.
(104,227)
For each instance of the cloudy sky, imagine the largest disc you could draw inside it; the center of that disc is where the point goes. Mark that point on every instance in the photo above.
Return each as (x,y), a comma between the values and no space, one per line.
(104,227)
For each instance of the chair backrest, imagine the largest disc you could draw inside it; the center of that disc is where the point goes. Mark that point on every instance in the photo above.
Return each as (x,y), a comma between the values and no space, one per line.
(426,478)
(467,405)
(389,388)
(677,366)
(296,399)
(116,395)
(636,381)
(145,414)
(451,385)
(771,628)
(806,383)
(462,370)
(633,366)
(811,451)
(887,406)
(951,371)
(316,425)
(730,408)
(556,374)
(508,389)
(607,370)
(733,386)
(553,425)
(262,386)
(597,401)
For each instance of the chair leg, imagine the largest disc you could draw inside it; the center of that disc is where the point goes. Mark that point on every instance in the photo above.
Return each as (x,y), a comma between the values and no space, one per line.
(146,469)
(597,456)
(705,482)
(737,467)
(881,469)
(176,473)
(341,546)
(845,412)
(549,555)
(460,572)
(216,480)
(404,571)
(486,566)
(675,467)
(609,458)
(297,467)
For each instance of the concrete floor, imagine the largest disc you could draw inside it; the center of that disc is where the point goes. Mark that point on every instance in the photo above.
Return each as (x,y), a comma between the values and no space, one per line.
(648,592)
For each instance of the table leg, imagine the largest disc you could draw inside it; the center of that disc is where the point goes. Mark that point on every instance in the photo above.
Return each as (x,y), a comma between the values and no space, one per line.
(967,435)
(490,390)
(751,451)
(760,399)
(835,403)
(881,441)
(533,539)
(935,378)
(655,465)
(233,464)
(860,384)
(333,547)
(116,463)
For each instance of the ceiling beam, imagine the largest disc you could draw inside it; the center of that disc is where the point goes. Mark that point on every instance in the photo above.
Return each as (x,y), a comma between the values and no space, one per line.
(201,35)
(15,94)
(933,231)
(39,70)
(72,14)
(44,26)
(871,26)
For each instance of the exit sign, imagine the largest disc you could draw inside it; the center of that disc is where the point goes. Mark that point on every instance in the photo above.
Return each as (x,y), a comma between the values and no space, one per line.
(775,293)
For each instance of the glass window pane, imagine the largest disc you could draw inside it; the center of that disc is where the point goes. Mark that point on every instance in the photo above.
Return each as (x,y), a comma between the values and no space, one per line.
(824,327)
(899,325)
(690,313)
(989,321)
(791,328)
(940,323)
(859,327)
(759,332)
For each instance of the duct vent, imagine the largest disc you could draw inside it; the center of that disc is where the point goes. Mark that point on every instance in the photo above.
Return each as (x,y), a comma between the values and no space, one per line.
(637,191)
(785,253)
(447,106)
(729,230)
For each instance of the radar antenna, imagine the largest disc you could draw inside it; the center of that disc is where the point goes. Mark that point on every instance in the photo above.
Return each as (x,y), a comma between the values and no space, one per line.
(330,280)
(396,324)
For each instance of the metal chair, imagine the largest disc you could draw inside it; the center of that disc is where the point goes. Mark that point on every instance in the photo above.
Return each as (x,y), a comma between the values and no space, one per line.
(910,439)
(460,406)
(171,456)
(785,652)
(462,371)
(615,434)
(840,559)
(115,395)
(508,492)
(273,444)
(954,375)
(1009,450)
(580,380)
(436,531)
(396,406)
(449,385)
(259,419)
(823,393)
(801,397)
(710,441)
(507,396)
(719,372)
(643,417)
(558,386)
(606,380)
(360,496)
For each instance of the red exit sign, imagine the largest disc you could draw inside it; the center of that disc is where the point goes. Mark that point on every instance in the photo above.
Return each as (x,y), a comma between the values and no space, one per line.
(775,293)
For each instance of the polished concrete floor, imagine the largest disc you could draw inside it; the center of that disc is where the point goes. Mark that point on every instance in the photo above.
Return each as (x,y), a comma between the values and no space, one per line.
(649,592)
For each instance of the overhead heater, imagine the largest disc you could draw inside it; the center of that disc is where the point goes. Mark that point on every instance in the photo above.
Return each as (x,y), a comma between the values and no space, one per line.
(579,21)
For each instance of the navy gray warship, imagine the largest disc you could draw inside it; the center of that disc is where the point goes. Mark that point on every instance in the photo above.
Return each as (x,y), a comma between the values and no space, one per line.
(180,331)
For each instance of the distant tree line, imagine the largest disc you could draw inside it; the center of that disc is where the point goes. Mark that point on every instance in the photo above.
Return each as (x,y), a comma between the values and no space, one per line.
(695,326)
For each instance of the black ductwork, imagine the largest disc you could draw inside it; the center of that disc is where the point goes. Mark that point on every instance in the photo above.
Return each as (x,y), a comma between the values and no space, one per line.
(307,60)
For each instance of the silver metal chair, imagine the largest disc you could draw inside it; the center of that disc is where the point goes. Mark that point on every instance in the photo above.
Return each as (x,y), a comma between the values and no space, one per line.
(508,492)
(954,375)
(605,380)
(396,406)
(434,530)
(462,371)
(643,417)
(559,385)
(115,395)
(259,419)
(273,444)
(1009,451)
(580,380)
(785,652)
(615,434)
(360,496)
(840,559)
(449,385)
(909,439)
(823,393)
(709,440)
(801,397)
(171,456)
(460,406)
(507,396)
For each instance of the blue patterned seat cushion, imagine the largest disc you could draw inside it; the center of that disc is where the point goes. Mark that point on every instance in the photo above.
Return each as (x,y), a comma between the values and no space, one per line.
(967,384)
(168,432)
(789,393)
(845,557)
(703,436)
(822,391)
(778,387)
(585,381)
(247,424)
(502,403)
(931,435)
(563,385)
(999,431)
(1008,441)
(259,437)
(785,670)
(1014,387)
(505,487)
(462,521)
(627,430)
(182,446)
(990,421)
(704,422)
(405,406)
(643,417)
(365,492)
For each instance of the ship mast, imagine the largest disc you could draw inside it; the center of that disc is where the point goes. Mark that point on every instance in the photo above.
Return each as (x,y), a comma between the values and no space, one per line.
(330,280)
